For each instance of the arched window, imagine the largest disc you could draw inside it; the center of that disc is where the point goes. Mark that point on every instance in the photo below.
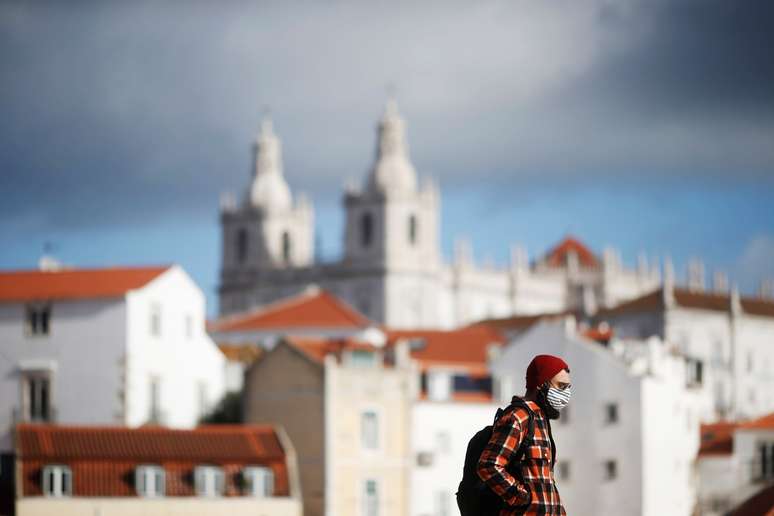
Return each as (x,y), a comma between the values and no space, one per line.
(366,229)
(412,229)
(241,246)
(285,246)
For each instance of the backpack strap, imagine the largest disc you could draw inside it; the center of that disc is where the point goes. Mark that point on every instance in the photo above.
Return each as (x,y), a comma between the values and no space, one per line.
(520,403)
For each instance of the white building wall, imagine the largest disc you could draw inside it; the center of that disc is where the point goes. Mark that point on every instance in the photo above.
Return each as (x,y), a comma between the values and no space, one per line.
(84,353)
(587,440)
(184,364)
(670,430)
(441,431)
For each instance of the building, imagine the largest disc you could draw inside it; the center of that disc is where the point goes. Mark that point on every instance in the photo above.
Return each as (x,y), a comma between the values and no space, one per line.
(113,346)
(346,406)
(392,269)
(154,471)
(626,444)
(726,337)
(736,467)
(455,401)
(312,313)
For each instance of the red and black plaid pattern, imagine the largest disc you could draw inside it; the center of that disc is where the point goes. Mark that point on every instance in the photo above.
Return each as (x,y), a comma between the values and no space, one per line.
(535,492)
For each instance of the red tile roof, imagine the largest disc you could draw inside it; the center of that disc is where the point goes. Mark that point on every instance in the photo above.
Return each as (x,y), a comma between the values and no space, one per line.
(557,257)
(519,323)
(316,349)
(654,301)
(245,353)
(308,310)
(762,423)
(31,285)
(717,438)
(465,348)
(103,459)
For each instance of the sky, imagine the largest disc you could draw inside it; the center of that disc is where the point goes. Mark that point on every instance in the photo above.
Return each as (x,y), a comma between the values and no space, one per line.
(647,125)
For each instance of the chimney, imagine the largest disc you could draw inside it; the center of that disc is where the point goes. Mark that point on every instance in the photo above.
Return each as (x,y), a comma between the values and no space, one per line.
(668,288)
(463,253)
(642,265)
(519,259)
(766,289)
(720,282)
(696,275)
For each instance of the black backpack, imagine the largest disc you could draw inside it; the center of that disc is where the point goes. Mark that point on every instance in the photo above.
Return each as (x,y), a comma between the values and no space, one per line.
(474,498)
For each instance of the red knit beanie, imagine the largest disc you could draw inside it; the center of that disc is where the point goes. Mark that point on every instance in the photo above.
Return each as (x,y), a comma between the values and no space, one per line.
(542,368)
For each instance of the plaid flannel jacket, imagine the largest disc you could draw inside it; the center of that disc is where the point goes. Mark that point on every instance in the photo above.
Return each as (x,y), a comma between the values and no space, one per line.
(535,492)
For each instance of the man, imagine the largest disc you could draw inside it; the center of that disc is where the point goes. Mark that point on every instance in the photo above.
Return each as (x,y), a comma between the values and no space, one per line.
(528,487)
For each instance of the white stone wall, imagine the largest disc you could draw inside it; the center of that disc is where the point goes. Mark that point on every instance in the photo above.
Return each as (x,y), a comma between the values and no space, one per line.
(186,364)
(440,431)
(83,354)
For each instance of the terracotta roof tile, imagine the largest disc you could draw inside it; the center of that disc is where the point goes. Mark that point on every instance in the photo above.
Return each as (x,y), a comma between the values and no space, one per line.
(317,349)
(466,347)
(103,459)
(309,310)
(685,298)
(557,257)
(31,285)
(762,423)
(717,438)
(520,322)
(245,353)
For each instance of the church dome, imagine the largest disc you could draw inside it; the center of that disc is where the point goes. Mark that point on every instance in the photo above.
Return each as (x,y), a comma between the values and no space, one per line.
(393,170)
(269,190)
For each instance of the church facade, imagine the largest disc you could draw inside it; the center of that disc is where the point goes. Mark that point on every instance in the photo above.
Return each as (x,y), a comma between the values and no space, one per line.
(392,268)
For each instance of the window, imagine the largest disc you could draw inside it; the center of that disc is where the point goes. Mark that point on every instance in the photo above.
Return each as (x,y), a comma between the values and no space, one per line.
(765,462)
(57,481)
(209,481)
(412,229)
(38,319)
(369,429)
(36,397)
(286,247)
(188,326)
(695,371)
(611,413)
(155,320)
(467,383)
(611,469)
(241,246)
(563,470)
(366,229)
(750,361)
(149,481)
(259,481)
(155,415)
(362,358)
(371,499)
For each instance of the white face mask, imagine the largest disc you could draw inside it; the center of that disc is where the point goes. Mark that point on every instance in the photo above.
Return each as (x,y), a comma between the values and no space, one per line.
(558,398)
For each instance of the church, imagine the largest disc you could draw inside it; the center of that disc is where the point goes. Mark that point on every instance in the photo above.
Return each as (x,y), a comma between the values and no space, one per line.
(392,269)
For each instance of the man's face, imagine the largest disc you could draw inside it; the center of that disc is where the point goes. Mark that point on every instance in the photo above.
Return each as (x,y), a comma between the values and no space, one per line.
(561,380)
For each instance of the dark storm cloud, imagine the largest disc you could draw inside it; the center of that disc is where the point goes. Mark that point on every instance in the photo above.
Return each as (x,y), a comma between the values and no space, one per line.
(127,112)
